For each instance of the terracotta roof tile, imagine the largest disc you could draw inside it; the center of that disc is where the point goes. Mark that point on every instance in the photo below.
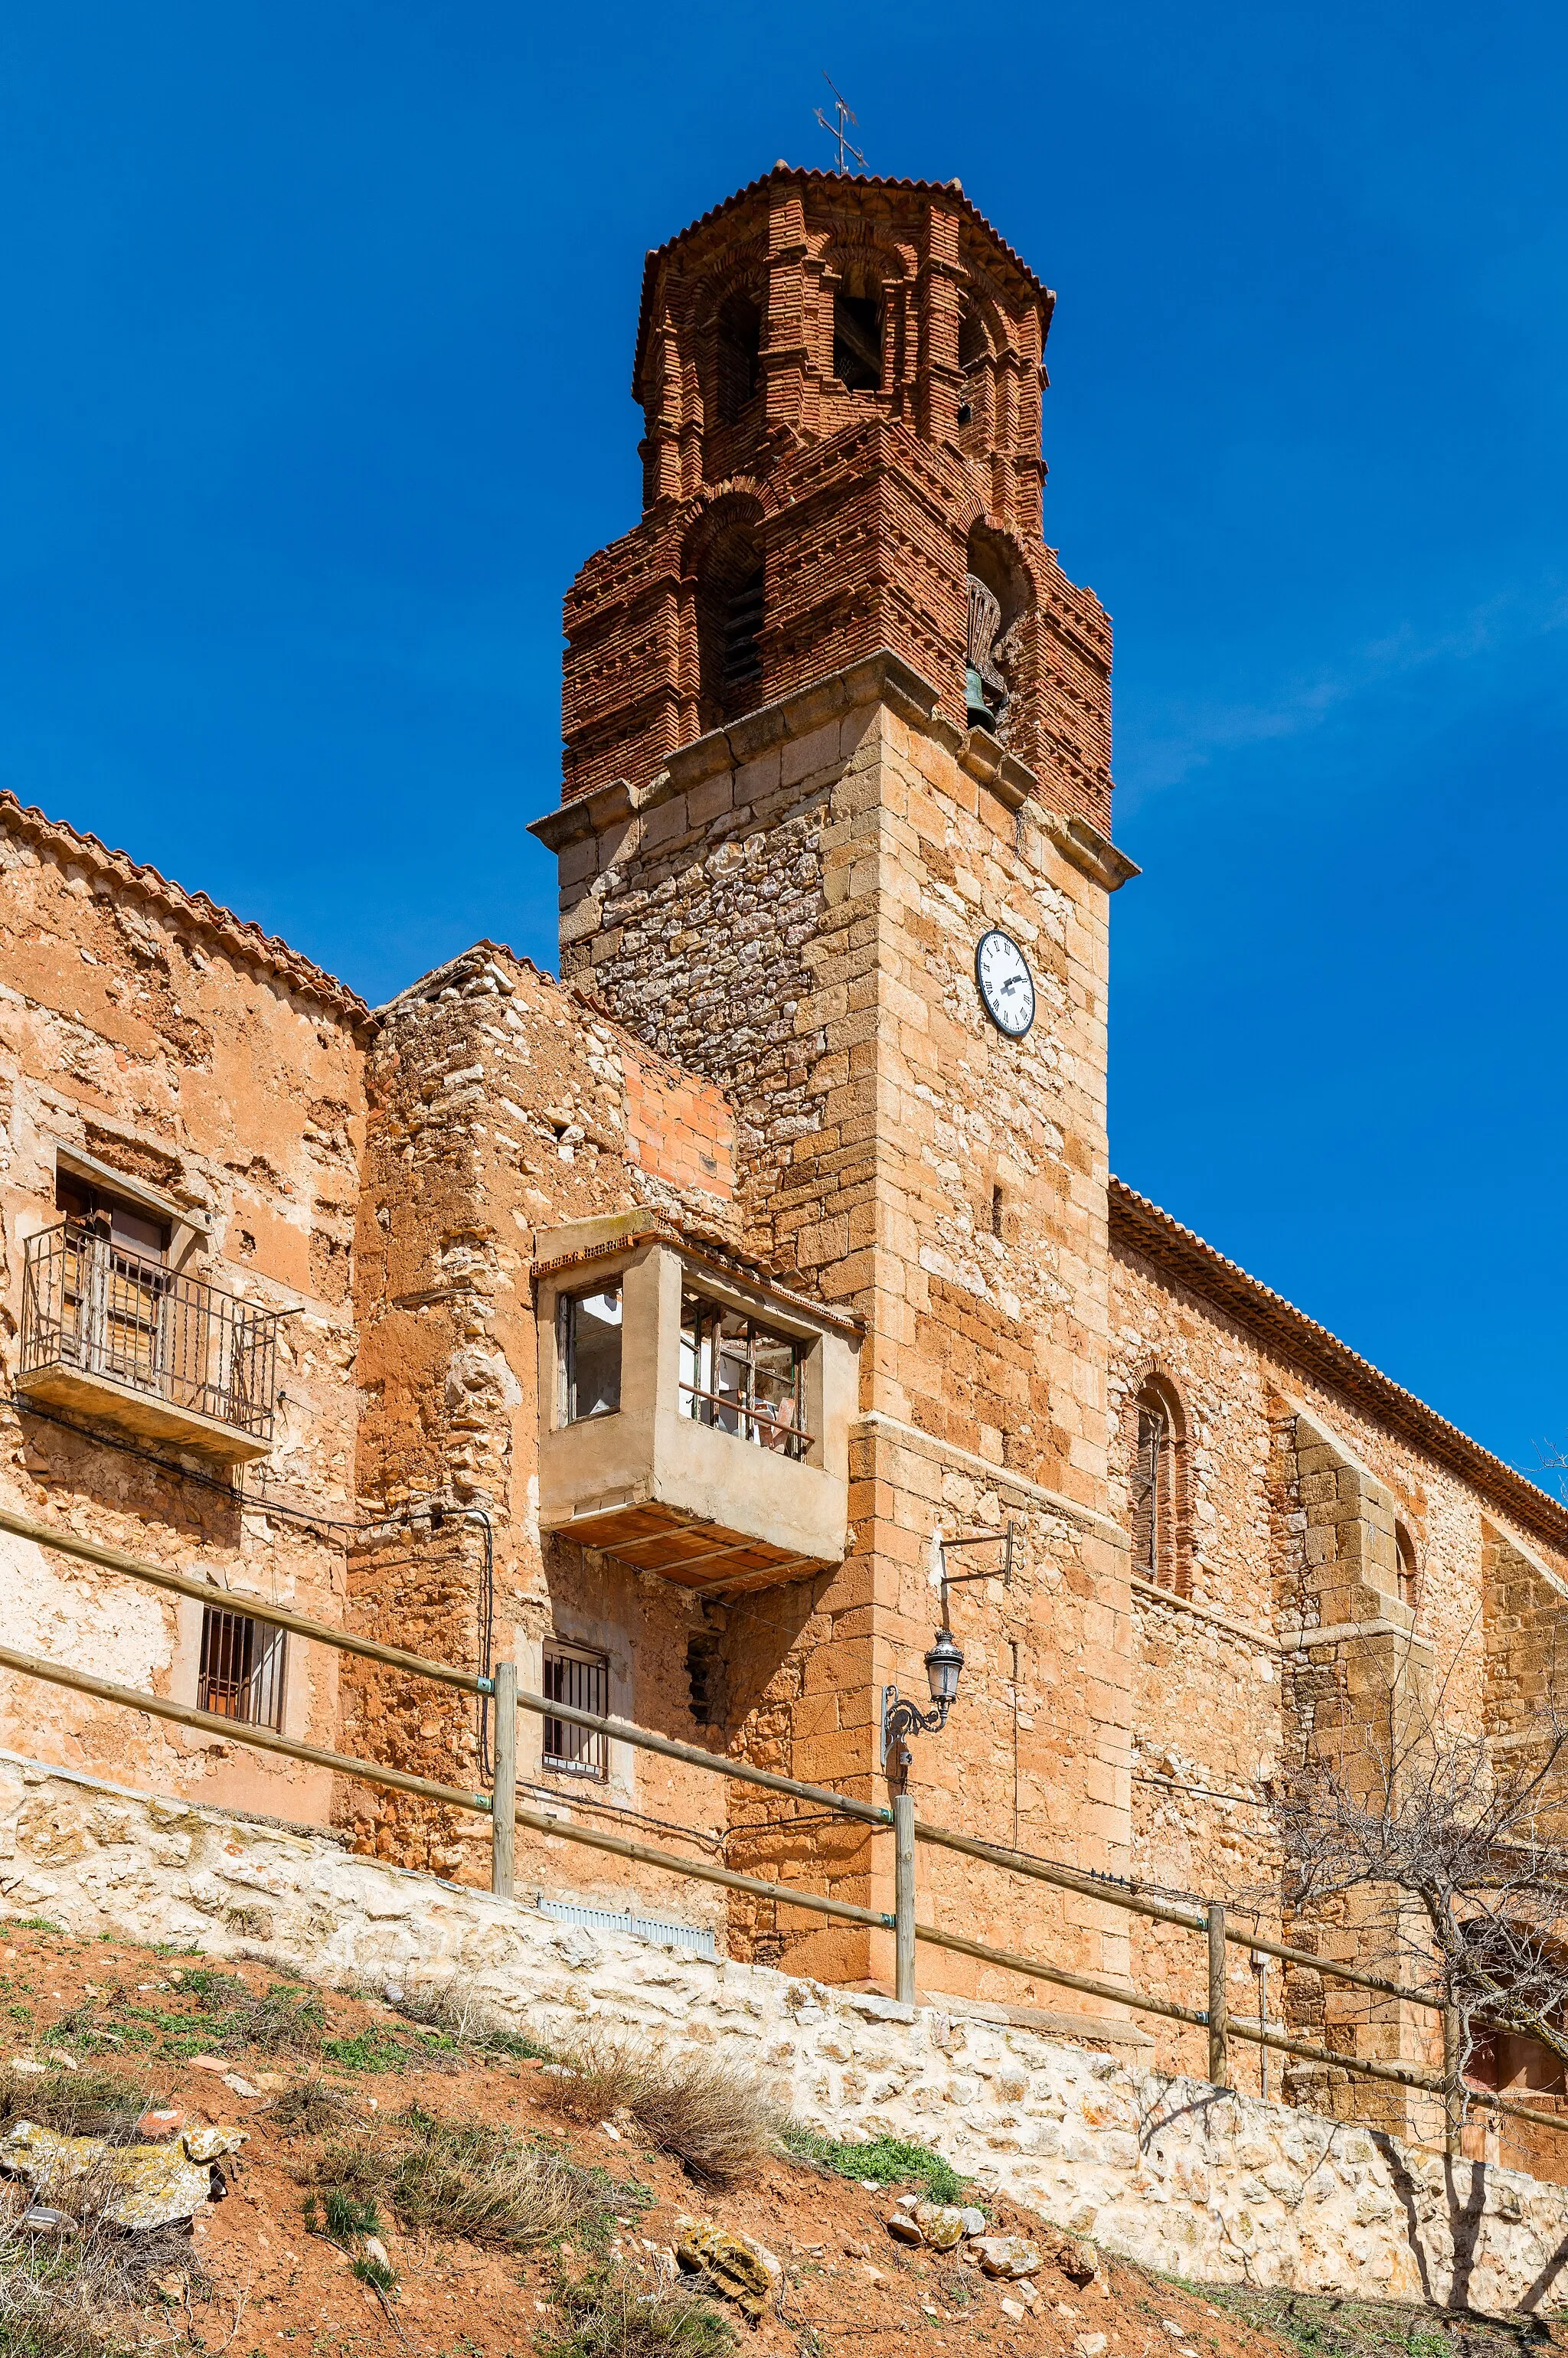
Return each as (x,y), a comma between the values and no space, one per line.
(1135,1221)
(196,910)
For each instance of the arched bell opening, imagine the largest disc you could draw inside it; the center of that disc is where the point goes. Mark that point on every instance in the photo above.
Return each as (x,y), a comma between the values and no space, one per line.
(859,329)
(731,600)
(1000,593)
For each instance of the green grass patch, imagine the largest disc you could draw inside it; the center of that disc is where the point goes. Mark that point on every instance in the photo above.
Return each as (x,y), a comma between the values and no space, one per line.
(371,2049)
(889,2161)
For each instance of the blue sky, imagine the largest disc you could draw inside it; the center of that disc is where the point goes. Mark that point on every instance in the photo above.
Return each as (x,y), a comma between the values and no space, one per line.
(319,326)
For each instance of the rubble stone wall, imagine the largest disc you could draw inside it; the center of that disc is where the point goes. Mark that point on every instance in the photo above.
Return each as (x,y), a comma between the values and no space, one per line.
(502,1104)
(1170,2172)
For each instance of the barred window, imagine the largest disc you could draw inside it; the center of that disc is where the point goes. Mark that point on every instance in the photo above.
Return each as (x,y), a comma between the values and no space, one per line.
(575,1676)
(243,1664)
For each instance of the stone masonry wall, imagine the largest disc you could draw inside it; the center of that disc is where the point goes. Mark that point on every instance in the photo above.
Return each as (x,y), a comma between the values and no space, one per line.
(150,1029)
(503,1104)
(793,909)
(1168,2171)
(1296,1643)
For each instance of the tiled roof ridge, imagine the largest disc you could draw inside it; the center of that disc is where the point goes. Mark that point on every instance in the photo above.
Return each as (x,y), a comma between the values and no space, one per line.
(812,172)
(198,909)
(1209,1271)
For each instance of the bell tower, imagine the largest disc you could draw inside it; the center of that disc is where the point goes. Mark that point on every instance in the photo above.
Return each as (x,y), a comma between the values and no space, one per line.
(841,382)
(835,718)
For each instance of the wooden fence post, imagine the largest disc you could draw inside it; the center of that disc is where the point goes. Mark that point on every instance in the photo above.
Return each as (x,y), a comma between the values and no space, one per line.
(903,1897)
(1218,2013)
(503,1796)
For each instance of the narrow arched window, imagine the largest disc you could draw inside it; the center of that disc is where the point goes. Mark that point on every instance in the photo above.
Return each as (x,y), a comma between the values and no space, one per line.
(1159,1552)
(1408,1575)
(858,340)
(974,344)
(738,354)
(731,604)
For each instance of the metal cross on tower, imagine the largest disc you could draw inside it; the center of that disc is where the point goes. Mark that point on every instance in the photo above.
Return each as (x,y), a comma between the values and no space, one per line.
(836,130)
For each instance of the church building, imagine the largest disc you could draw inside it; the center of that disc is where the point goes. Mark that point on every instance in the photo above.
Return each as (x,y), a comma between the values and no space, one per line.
(673,1327)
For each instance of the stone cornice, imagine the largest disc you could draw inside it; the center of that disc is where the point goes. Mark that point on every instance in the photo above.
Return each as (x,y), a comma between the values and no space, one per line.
(881,678)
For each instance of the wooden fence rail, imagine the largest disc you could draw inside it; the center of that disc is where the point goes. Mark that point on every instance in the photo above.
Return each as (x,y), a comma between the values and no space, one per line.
(505,1814)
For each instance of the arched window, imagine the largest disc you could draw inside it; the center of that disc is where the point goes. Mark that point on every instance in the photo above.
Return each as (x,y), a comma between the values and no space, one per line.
(974,344)
(730,606)
(738,353)
(1408,1575)
(1159,1547)
(999,592)
(858,337)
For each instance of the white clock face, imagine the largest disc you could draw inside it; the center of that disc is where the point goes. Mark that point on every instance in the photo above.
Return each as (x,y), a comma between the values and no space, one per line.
(1006,984)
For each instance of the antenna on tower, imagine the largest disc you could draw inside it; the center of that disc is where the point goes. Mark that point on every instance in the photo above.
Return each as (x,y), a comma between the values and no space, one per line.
(835,131)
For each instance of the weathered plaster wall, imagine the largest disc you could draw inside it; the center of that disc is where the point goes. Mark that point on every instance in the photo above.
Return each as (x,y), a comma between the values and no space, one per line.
(1167,2171)
(148,1029)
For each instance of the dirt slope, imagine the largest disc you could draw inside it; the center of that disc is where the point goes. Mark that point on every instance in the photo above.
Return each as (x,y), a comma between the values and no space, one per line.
(142,2025)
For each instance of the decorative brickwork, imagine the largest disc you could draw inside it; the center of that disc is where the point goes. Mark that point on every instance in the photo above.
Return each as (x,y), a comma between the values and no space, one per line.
(797,523)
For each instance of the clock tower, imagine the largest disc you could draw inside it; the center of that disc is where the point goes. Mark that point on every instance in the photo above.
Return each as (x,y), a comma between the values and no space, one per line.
(835,832)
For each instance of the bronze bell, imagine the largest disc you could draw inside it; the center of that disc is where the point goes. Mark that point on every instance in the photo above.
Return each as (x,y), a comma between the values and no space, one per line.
(985,691)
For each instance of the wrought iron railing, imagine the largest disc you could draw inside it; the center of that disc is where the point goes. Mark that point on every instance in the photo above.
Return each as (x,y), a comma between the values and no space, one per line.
(94,1307)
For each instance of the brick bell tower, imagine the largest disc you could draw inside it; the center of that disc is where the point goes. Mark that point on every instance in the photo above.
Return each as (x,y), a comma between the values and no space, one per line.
(834,718)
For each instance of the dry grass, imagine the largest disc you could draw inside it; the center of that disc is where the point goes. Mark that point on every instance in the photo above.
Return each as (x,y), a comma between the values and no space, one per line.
(456,2012)
(468,2180)
(607,2314)
(78,2103)
(72,2296)
(716,2121)
(311,2108)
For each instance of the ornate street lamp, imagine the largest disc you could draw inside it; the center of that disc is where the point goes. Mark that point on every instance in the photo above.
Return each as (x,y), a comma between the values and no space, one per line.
(943,1658)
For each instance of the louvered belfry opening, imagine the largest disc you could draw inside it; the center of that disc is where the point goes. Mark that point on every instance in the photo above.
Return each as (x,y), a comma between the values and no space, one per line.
(743,661)
(731,609)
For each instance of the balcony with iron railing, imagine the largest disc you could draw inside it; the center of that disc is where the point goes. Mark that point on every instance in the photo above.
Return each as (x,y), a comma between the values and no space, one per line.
(115,1335)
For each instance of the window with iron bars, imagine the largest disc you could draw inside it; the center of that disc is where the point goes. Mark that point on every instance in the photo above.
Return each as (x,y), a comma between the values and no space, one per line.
(243,1663)
(742,1377)
(575,1676)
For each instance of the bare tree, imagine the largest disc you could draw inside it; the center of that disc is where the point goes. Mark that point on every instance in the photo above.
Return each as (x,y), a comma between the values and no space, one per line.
(1459,1851)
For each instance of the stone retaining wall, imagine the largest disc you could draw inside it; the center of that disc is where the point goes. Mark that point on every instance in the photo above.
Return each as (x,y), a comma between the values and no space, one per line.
(1169,2173)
